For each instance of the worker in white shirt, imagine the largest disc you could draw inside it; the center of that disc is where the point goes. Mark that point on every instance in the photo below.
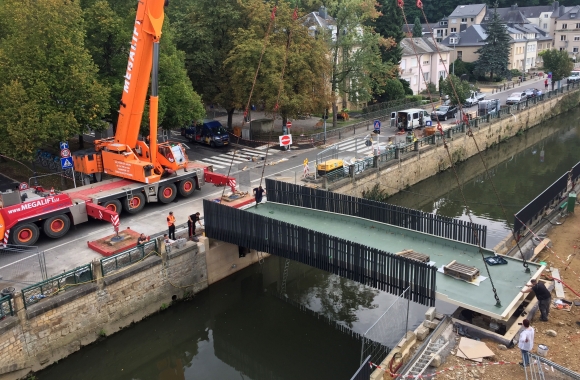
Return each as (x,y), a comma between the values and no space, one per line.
(526,342)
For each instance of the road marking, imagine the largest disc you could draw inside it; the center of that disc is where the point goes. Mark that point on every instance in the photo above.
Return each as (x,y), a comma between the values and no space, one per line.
(213,164)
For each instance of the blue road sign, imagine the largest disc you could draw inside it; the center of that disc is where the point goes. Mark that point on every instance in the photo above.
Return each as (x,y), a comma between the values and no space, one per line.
(63,145)
(66,163)
(377,124)
(428,123)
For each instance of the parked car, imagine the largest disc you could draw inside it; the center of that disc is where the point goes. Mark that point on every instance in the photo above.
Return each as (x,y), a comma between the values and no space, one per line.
(474,98)
(574,77)
(443,112)
(210,132)
(516,98)
(533,92)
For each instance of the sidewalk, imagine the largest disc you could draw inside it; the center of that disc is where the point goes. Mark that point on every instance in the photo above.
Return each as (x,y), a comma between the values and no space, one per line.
(491,90)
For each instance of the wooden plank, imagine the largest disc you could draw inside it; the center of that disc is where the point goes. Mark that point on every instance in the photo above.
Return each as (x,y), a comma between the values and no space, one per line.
(558,285)
(541,246)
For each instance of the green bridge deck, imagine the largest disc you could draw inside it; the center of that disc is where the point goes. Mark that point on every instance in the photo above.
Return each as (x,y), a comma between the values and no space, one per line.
(507,279)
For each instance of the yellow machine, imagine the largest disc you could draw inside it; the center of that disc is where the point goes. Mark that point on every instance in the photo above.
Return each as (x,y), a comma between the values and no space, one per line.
(329,166)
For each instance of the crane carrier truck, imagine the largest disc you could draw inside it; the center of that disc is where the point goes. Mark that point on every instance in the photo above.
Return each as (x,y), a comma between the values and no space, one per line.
(141,171)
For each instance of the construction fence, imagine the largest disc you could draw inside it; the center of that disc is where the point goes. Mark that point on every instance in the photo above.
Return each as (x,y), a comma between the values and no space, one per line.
(21,266)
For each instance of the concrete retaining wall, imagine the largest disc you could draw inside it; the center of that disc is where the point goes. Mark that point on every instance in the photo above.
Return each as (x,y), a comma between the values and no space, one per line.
(434,159)
(59,325)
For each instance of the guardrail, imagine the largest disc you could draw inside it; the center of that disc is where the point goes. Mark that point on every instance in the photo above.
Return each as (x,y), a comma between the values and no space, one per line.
(6,307)
(34,293)
(126,258)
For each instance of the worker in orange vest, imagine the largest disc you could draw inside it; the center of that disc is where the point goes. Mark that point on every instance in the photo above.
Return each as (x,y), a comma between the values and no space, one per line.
(171,225)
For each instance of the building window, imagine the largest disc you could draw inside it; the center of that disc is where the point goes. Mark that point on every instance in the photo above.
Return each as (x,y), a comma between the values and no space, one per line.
(453,40)
(563,37)
(564,26)
(545,15)
(472,19)
(426,77)
(464,19)
(459,54)
(545,26)
(413,62)
(425,63)
(453,30)
(561,49)
(442,74)
(576,38)
(575,50)
(540,46)
(454,21)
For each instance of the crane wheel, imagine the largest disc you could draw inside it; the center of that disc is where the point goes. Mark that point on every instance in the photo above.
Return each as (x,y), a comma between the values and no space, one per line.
(134,203)
(57,226)
(186,187)
(167,193)
(25,234)
(113,205)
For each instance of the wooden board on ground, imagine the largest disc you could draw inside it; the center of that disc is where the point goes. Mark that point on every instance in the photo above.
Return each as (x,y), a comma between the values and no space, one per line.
(541,246)
(473,350)
(557,284)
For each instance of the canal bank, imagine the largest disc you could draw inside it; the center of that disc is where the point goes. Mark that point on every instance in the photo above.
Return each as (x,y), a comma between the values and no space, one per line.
(408,169)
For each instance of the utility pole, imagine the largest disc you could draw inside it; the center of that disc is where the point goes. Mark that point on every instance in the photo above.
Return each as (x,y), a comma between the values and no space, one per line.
(525,58)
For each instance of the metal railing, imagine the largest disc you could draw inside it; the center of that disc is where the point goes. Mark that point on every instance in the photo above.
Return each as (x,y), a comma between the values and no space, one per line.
(398,151)
(388,329)
(53,285)
(364,371)
(6,308)
(128,257)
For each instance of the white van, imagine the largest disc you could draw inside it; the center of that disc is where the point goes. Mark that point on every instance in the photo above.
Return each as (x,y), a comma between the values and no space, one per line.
(574,77)
(407,120)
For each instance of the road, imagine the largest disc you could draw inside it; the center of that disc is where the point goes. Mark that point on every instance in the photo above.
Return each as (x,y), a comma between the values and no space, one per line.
(72,251)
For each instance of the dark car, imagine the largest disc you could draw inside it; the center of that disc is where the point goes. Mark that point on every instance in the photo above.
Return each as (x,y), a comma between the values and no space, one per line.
(443,112)
(210,132)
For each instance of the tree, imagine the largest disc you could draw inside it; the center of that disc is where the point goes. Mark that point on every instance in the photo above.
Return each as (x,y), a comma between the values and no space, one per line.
(390,26)
(417,28)
(393,90)
(204,30)
(457,89)
(358,71)
(290,48)
(494,55)
(45,67)
(406,86)
(558,63)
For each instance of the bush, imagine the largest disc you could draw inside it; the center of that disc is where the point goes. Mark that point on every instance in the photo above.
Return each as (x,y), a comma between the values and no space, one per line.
(515,72)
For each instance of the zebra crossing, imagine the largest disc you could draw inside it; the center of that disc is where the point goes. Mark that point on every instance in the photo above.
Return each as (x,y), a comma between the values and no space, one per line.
(353,145)
(244,155)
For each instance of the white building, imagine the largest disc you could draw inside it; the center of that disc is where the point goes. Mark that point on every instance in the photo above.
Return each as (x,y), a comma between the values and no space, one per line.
(429,66)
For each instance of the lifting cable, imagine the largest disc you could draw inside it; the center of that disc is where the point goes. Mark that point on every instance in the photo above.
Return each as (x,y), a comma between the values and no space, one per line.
(264,45)
(401,4)
(470,134)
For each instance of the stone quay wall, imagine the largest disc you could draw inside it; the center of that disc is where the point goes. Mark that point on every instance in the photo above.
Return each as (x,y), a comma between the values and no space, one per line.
(59,325)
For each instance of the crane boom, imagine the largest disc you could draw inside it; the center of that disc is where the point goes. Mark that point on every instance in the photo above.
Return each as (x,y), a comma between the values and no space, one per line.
(124,155)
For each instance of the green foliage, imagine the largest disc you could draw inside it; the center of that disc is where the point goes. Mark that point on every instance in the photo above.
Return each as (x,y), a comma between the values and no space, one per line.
(457,89)
(406,86)
(163,306)
(557,62)
(392,90)
(291,50)
(417,29)
(463,68)
(390,27)
(494,55)
(102,333)
(376,193)
(48,81)
(515,73)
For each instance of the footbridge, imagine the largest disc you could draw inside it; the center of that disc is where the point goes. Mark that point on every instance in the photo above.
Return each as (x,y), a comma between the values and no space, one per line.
(366,241)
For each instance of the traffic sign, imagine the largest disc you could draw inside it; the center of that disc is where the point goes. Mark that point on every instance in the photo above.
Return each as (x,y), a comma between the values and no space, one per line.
(288,124)
(65,153)
(377,124)
(428,123)
(63,145)
(285,140)
(66,163)
(23,186)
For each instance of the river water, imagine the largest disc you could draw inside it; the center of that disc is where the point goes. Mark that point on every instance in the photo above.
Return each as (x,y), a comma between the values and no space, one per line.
(241,328)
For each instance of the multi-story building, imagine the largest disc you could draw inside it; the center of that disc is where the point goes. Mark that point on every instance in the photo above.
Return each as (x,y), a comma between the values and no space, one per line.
(423,61)
(567,31)
(466,15)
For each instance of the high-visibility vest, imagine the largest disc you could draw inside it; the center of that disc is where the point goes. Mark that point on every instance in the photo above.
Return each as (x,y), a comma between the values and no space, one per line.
(170,220)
